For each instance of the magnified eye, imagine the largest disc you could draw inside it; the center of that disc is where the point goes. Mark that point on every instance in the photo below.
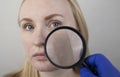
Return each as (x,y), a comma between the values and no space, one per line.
(28,27)
(55,24)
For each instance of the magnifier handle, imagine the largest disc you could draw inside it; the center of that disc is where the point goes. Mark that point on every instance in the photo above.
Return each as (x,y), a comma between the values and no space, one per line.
(93,69)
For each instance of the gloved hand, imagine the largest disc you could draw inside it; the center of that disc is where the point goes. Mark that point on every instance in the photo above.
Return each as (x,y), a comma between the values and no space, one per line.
(103,67)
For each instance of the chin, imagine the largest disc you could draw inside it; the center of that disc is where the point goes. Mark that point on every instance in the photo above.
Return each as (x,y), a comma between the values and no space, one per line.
(43,66)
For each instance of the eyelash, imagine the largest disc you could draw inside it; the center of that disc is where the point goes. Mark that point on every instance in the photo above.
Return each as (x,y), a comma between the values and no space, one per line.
(54,24)
(28,27)
(51,24)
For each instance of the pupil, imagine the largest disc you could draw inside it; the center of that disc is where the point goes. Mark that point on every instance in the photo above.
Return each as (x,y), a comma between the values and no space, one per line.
(56,24)
(29,27)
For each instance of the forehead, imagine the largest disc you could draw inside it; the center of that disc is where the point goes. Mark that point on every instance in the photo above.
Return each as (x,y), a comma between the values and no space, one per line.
(44,7)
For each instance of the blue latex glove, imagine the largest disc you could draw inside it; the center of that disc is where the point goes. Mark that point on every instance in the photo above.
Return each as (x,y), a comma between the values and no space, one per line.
(102,65)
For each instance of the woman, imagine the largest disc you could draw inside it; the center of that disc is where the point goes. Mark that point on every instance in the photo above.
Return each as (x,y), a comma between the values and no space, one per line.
(36,19)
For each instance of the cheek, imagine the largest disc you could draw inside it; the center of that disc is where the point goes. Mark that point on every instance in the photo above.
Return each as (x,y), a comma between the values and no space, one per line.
(27,43)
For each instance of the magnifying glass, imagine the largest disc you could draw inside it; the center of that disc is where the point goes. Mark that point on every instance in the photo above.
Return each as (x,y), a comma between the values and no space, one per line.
(65,47)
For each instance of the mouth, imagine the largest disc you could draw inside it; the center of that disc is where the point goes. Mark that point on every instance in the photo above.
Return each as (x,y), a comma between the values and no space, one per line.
(40,56)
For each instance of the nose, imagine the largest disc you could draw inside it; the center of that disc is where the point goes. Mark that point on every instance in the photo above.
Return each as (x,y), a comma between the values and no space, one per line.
(39,37)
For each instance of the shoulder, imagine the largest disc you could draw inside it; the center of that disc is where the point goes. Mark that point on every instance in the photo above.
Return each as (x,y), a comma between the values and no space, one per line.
(14,74)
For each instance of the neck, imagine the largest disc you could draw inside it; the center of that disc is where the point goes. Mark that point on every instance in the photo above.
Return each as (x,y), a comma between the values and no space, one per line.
(59,73)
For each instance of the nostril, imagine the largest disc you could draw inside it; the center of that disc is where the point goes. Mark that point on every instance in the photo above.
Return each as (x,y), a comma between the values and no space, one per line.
(43,44)
(39,39)
(39,43)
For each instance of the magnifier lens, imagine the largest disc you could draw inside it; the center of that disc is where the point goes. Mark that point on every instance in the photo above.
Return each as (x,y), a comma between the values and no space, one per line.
(64,47)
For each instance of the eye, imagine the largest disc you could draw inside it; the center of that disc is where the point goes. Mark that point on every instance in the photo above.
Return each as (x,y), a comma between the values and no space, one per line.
(54,24)
(28,27)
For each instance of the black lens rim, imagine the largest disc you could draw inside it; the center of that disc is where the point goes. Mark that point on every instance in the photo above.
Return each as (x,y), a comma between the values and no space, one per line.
(83,41)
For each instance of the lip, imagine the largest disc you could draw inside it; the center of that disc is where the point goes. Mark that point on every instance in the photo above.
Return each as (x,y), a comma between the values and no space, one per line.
(40,56)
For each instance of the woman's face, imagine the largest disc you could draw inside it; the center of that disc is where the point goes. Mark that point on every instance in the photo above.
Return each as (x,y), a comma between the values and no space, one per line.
(37,18)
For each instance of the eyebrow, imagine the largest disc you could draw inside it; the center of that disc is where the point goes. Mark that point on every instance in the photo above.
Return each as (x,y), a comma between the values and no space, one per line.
(25,19)
(46,18)
(52,15)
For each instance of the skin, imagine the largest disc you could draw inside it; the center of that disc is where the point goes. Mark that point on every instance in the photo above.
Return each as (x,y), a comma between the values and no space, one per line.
(37,18)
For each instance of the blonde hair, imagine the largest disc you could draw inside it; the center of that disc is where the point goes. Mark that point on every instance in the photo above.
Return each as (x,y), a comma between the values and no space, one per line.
(29,71)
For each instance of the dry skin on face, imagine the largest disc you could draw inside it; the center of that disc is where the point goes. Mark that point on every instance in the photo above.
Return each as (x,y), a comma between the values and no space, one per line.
(37,18)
